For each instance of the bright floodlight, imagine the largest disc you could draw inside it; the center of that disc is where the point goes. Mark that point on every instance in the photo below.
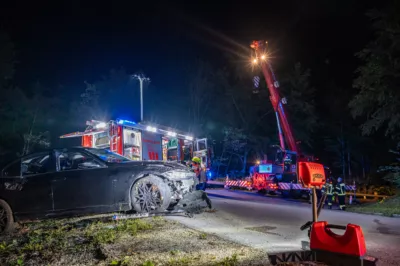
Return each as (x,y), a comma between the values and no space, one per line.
(189,138)
(263,57)
(100,125)
(255,61)
(171,134)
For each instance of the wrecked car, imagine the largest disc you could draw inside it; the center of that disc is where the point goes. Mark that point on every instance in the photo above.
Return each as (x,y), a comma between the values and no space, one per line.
(82,181)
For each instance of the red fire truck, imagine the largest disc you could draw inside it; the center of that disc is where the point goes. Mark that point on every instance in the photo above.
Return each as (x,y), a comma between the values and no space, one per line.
(143,141)
(284,170)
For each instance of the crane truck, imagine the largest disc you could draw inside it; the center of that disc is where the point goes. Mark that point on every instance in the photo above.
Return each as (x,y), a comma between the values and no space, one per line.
(286,169)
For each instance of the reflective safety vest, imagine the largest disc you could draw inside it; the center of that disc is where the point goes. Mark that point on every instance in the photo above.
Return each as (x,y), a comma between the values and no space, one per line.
(341,189)
(328,187)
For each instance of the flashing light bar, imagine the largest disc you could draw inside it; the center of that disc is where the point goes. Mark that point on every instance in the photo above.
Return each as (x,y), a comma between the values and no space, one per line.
(94,123)
(151,129)
(125,122)
(154,129)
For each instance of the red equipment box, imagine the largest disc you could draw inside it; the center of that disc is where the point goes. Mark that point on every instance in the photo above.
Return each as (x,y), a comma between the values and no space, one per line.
(351,243)
(312,174)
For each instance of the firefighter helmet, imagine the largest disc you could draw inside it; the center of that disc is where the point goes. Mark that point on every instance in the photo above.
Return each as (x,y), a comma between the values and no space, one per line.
(196,160)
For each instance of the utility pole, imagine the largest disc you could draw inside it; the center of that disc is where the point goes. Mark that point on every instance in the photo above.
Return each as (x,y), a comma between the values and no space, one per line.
(141,78)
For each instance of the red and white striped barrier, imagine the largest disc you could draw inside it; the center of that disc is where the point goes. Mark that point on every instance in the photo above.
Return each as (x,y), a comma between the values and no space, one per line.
(289,186)
(281,185)
(238,183)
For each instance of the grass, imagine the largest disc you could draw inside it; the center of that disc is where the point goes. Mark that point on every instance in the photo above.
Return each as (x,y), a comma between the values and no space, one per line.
(41,242)
(142,242)
(386,207)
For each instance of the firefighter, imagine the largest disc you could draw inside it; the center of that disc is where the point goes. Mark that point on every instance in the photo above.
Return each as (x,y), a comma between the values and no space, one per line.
(203,177)
(196,161)
(328,189)
(200,173)
(341,193)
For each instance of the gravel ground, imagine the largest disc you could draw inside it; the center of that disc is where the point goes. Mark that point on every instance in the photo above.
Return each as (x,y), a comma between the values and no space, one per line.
(128,242)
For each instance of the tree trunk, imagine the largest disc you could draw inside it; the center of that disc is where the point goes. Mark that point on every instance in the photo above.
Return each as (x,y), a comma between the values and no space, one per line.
(363,166)
(343,153)
(27,142)
(220,160)
(349,161)
(227,166)
(244,161)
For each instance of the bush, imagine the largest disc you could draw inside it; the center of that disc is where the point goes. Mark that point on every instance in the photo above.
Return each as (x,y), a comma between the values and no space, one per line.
(371,189)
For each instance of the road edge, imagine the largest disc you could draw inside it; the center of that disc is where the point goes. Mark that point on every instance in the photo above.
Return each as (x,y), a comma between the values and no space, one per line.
(377,214)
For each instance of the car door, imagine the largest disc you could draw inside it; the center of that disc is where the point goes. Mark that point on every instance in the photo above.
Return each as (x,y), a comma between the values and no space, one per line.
(27,184)
(81,182)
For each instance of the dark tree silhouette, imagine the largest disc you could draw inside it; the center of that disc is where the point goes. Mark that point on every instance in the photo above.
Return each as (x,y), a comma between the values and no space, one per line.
(378,81)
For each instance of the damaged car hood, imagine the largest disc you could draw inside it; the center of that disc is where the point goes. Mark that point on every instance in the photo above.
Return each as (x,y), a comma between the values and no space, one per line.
(170,165)
(170,170)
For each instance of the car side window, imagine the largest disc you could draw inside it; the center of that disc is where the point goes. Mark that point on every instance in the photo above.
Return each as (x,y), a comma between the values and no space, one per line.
(13,169)
(35,164)
(74,160)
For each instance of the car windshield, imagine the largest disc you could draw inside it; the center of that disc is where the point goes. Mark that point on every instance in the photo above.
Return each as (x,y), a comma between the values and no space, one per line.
(108,156)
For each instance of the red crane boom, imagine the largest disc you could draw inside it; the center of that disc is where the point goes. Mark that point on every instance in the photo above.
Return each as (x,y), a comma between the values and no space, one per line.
(273,85)
(287,172)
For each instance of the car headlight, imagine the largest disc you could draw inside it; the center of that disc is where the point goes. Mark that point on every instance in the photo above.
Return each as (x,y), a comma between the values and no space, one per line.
(179,175)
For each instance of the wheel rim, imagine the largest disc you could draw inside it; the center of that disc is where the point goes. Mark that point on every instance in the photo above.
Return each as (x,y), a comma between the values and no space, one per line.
(148,197)
(3,219)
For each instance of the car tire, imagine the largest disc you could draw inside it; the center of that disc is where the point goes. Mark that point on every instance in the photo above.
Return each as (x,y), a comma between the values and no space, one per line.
(6,217)
(150,194)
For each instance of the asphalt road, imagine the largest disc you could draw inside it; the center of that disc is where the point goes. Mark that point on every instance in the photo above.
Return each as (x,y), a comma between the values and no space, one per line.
(272,224)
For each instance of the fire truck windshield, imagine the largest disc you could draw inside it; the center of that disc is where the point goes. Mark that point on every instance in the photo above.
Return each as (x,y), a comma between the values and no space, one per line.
(108,156)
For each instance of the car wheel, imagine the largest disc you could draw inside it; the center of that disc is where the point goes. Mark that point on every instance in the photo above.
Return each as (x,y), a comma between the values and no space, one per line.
(150,194)
(6,217)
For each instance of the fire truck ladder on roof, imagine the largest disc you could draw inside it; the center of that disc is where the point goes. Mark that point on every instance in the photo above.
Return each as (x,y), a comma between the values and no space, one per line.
(113,136)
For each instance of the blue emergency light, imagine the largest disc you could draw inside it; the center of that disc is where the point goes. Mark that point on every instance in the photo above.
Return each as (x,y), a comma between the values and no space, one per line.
(125,122)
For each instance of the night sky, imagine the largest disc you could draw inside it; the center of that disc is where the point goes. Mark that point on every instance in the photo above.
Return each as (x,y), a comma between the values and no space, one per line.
(66,43)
